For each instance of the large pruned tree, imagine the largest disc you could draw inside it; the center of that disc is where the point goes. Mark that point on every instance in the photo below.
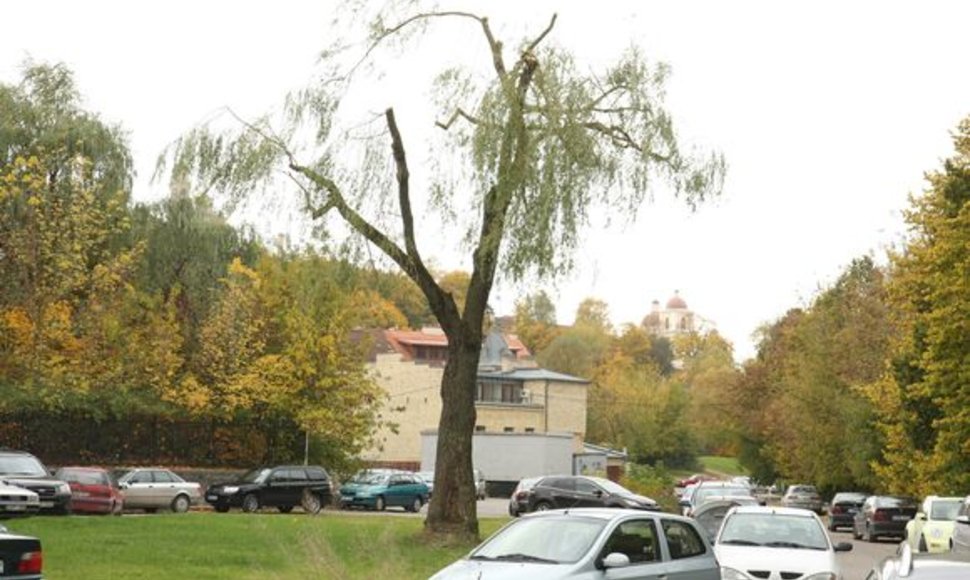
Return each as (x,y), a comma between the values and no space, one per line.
(535,143)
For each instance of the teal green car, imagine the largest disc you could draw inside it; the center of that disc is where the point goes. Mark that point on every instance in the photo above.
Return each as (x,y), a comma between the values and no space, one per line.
(377,490)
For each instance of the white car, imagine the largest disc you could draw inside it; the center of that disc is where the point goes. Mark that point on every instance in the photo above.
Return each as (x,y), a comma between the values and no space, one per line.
(776,543)
(154,489)
(17,501)
(932,528)
(588,543)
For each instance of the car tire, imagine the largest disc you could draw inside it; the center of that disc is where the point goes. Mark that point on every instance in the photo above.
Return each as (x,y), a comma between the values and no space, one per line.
(832,526)
(921,547)
(181,504)
(868,535)
(221,508)
(543,506)
(250,503)
(855,533)
(379,503)
(415,506)
(285,509)
(311,502)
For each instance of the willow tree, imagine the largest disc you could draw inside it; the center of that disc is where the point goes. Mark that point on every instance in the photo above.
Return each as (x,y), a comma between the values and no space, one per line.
(524,151)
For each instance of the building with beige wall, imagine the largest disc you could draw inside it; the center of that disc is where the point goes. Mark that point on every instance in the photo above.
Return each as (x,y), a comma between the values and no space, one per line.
(513,396)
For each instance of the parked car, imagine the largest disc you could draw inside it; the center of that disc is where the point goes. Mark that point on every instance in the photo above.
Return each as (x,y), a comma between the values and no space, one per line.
(777,543)
(695,478)
(802,496)
(24,470)
(428,477)
(519,500)
(283,487)
(590,543)
(152,489)
(378,491)
(843,508)
(93,490)
(17,501)
(569,491)
(960,540)
(21,557)
(909,566)
(705,490)
(883,515)
(932,528)
(710,514)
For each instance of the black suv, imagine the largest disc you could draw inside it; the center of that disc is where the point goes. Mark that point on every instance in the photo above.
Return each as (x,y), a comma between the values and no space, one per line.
(582,491)
(283,487)
(24,470)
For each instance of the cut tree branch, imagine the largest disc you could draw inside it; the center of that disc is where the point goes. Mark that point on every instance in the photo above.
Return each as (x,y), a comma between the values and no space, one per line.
(459,112)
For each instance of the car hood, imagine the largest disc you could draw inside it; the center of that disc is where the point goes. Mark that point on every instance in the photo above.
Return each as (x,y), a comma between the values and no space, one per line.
(640,499)
(938,530)
(24,481)
(803,561)
(465,569)
(361,487)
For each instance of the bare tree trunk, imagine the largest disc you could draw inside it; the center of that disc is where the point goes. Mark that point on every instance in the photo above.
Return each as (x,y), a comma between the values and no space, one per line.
(453,511)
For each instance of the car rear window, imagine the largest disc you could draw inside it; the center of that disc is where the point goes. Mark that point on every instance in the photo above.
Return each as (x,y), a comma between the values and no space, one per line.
(316,473)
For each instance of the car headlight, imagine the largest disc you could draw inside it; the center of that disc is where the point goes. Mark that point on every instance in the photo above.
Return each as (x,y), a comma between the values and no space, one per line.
(732,574)
(64,488)
(823,576)
(230,489)
(936,533)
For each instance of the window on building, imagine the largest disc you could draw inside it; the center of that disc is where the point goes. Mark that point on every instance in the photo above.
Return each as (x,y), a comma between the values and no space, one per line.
(499,391)
(479,428)
(509,429)
(425,353)
(530,429)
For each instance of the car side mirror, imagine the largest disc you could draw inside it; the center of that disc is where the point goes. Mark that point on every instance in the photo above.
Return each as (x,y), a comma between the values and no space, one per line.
(616,560)
(921,516)
(684,503)
(963,520)
(843,547)
(123,485)
(598,493)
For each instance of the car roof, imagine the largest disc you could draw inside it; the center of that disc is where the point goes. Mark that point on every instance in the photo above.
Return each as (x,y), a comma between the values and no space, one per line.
(773,510)
(606,513)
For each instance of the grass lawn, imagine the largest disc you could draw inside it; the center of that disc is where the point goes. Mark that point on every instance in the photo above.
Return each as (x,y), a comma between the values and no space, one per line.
(721,465)
(206,545)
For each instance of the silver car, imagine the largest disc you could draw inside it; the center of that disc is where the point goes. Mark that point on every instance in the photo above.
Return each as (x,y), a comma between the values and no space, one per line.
(17,501)
(154,489)
(586,543)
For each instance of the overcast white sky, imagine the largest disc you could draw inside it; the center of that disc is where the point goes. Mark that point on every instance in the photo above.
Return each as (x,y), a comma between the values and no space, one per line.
(828,114)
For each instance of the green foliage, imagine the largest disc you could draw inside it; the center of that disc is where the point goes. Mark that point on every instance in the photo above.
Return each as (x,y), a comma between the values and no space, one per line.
(653,481)
(921,403)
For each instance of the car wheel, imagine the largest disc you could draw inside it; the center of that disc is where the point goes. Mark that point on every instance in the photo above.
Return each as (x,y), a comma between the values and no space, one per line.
(922,544)
(250,503)
(868,535)
(180,504)
(311,503)
(855,533)
(831,526)
(416,505)
(285,509)
(379,504)
(543,506)
(221,508)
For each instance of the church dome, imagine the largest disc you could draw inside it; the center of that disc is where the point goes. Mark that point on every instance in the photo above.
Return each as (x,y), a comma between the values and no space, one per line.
(676,302)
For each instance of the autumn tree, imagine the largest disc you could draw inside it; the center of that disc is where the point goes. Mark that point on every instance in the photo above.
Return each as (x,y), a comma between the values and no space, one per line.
(922,402)
(535,321)
(525,152)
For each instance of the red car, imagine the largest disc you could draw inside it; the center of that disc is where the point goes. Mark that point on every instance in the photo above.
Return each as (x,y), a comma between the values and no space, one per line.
(93,490)
(696,478)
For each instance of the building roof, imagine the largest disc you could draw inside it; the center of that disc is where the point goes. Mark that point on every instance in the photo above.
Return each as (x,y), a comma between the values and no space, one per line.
(403,341)
(676,302)
(590,448)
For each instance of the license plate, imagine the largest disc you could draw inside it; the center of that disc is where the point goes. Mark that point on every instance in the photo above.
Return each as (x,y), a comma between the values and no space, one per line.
(900,518)
(211,497)
(853,511)
(16,508)
(44,504)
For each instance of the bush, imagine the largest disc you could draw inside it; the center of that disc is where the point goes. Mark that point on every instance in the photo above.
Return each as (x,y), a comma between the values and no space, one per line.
(654,482)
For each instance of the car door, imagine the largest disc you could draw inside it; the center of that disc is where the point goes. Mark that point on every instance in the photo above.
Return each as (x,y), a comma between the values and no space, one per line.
(691,557)
(961,530)
(139,490)
(562,492)
(398,490)
(639,540)
(588,494)
(277,489)
(164,489)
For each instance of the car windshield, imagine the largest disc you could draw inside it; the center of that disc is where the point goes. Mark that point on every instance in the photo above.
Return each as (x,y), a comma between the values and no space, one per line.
(803,489)
(895,502)
(549,539)
(255,476)
(704,493)
(774,530)
(370,477)
(611,487)
(22,465)
(84,477)
(849,497)
(945,509)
